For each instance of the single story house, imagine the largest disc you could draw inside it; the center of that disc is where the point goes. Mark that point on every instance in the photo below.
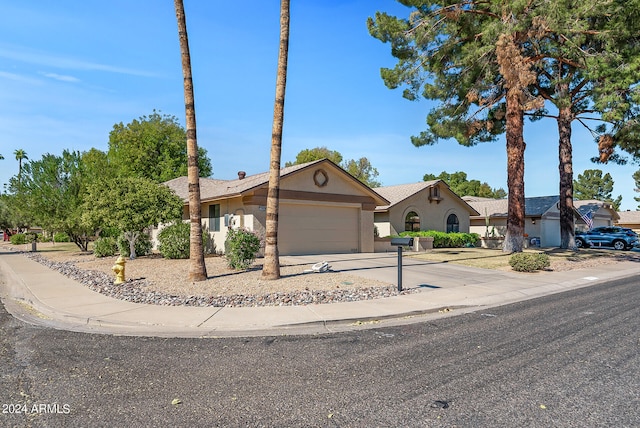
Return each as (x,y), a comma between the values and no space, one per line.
(542,217)
(630,219)
(426,205)
(322,208)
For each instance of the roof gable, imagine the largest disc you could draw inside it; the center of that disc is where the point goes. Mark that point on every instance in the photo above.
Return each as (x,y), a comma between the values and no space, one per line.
(212,189)
(398,193)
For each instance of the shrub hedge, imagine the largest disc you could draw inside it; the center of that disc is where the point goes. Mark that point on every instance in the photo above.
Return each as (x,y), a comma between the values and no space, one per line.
(105,247)
(529,262)
(18,239)
(241,248)
(61,237)
(447,240)
(143,245)
(173,241)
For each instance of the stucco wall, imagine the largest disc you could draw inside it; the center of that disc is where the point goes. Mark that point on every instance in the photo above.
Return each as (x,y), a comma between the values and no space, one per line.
(335,181)
(433,215)
(232,214)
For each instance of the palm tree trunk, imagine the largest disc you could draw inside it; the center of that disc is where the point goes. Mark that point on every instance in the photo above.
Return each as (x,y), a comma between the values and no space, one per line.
(271,266)
(197,267)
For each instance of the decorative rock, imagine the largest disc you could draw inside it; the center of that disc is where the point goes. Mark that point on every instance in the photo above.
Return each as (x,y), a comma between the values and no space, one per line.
(134,291)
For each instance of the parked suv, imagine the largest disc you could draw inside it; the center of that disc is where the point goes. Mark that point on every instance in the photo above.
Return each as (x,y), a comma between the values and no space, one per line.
(619,238)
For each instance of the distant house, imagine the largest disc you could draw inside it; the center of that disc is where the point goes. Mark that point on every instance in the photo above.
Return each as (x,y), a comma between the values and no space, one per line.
(426,205)
(630,219)
(542,217)
(323,209)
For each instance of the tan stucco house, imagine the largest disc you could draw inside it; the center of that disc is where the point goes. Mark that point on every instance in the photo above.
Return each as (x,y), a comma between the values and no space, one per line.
(542,217)
(322,208)
(426,205)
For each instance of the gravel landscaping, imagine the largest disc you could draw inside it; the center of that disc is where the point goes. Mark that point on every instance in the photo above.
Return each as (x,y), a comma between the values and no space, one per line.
(154,280)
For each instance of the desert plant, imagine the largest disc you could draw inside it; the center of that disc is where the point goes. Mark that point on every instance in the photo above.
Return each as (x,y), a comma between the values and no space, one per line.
(143,245)
(529,262)
(173,241)
(241,248)
(61,237)
(18,239)
(105,247)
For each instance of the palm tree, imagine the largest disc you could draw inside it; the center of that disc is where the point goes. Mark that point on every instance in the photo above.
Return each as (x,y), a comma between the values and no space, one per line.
(197,267)
(271,266)
(20,156)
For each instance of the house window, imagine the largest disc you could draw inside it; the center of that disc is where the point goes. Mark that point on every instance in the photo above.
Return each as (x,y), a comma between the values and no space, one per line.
(214,218)
(412,222)
(452,223)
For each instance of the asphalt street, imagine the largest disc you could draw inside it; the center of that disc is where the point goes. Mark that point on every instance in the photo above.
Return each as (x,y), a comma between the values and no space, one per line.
(565,360)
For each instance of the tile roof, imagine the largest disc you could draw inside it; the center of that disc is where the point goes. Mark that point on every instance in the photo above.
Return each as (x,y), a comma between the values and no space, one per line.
(211,189)
(400,192)
(534,206)
(215,189)
(629,217)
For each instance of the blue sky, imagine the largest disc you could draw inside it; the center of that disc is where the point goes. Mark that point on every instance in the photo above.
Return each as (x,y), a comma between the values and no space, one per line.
(71,69)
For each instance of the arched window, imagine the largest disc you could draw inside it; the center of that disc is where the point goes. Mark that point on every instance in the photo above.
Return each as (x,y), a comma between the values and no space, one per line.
(452,223)
(412,222)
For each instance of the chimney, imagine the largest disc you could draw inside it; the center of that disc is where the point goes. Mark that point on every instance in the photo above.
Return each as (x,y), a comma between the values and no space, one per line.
(241,175)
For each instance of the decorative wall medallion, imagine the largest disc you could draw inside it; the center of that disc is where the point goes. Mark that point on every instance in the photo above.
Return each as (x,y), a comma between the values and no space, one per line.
(320,177)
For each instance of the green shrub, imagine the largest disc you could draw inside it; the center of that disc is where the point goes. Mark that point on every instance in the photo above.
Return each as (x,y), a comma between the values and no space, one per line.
(105,247)
(447,240)
(173,241)
(18,239)
(61,237)
(143,245)
(529,262)
(241,248)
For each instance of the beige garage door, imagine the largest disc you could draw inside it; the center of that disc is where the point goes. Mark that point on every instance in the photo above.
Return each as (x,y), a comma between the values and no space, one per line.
(317,229)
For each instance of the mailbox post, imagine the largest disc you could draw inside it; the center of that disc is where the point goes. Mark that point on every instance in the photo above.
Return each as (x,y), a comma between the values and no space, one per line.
(401,242)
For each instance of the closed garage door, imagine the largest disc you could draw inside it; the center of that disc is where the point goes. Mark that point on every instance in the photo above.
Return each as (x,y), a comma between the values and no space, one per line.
(317,229)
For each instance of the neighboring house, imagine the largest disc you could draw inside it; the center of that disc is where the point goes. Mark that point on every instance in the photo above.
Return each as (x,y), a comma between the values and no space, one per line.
(542,217)
(630,219)
(323,209)
(426,205)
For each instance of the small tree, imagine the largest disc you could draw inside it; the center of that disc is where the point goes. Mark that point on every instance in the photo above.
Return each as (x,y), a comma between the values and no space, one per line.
(591,184)
(459,184)
(130,204)
(317,153)
(153,147)
(50,193)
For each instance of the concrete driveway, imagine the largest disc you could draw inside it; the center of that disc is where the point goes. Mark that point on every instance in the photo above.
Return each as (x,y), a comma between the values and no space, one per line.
(415,273)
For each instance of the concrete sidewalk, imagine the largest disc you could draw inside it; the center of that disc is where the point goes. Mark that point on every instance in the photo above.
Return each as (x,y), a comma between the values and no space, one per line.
(36,294)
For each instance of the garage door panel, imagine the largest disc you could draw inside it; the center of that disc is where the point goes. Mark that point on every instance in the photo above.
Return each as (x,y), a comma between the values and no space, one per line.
(315,229)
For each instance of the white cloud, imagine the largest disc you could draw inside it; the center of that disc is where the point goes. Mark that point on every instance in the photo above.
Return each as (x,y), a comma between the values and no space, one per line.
(26,55)
(19,78)
(60,77)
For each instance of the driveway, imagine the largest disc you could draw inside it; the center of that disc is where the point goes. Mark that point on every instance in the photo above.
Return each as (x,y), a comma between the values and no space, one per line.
(415,273)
